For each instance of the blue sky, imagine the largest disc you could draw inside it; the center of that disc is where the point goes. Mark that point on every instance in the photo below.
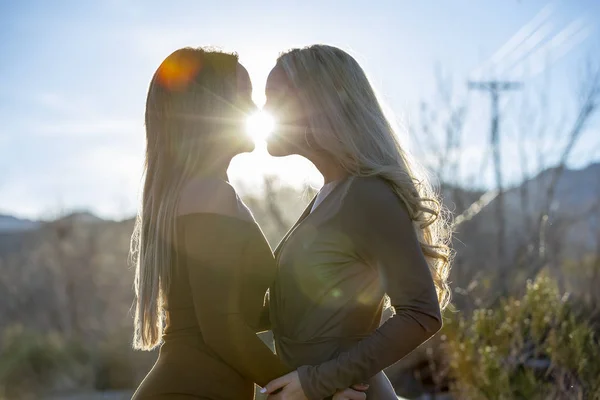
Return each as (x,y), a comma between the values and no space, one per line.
(75,75)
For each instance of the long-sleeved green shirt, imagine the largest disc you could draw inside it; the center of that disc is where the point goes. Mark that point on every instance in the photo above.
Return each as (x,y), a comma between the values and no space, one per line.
(222,269)
(334,268)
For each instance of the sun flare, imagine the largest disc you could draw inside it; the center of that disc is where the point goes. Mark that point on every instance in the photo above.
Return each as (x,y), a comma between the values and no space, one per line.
(259,125)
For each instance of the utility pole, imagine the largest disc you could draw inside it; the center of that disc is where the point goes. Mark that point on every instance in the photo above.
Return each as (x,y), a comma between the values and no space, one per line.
(494,88)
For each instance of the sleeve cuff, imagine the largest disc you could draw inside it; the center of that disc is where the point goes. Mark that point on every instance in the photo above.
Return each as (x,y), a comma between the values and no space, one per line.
(306,375)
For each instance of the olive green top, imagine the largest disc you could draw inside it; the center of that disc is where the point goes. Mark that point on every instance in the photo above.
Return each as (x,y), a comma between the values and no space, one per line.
(334,268)
(222,269)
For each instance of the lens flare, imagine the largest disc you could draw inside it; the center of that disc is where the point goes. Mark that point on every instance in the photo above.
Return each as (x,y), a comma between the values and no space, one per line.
(178,70)
(259,125)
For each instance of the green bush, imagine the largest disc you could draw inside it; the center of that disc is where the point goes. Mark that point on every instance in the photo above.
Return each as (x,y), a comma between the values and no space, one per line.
(117,366)
(535,347)
(31,362)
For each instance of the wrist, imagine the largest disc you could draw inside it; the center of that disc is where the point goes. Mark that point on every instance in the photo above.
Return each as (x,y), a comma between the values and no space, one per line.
(306,376)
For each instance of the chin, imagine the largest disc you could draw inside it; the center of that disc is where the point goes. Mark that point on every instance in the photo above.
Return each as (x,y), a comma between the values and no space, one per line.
(249,148)
(277,149)
(246,147)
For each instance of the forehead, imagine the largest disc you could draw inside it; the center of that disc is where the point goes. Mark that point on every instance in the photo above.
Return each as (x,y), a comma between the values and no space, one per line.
(243,78)
(277,79)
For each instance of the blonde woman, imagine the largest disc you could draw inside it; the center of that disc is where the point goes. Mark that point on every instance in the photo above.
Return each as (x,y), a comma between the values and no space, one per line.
(202,263)
(373,232)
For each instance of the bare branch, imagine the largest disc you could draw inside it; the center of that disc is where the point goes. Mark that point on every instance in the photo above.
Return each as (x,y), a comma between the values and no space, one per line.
(475,208)
(591,90)
(272,206)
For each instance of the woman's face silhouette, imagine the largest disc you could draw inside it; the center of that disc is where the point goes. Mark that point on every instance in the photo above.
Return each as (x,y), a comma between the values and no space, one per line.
(241,141)
(282,102)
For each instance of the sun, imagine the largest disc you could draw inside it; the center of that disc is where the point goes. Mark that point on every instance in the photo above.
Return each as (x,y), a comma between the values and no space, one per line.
(259,125)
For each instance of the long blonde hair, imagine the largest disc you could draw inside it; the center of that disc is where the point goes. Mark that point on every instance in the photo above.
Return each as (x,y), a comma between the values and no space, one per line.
(348,122)
(191,96)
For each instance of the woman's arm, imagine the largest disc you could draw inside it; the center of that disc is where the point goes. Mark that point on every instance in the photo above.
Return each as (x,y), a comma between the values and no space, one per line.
(216,260)
(385,236)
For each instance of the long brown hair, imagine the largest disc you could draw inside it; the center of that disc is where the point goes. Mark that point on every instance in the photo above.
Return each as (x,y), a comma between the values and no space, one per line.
(190,98)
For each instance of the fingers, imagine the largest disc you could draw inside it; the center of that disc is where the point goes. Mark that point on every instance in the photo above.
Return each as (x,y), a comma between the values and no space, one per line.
(277,394)
(349,394)
(361,387)
(276,384)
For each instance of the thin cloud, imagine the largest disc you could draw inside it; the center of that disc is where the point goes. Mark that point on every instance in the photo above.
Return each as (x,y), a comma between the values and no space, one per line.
(106,182)
(57,102)
(158,43)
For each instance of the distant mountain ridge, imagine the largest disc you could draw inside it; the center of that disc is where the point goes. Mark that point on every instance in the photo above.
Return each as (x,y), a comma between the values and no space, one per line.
(573,221)
(8,223)
(577,190)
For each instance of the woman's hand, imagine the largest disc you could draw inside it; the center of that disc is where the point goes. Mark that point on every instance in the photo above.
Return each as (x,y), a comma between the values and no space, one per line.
(290,388)
(349,394)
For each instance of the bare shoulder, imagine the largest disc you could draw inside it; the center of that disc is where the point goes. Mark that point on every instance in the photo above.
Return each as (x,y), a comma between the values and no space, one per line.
(212,196)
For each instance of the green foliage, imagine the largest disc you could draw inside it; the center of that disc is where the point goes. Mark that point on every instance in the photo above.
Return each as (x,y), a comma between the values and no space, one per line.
(117,366)
(535,347)
(31,362)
